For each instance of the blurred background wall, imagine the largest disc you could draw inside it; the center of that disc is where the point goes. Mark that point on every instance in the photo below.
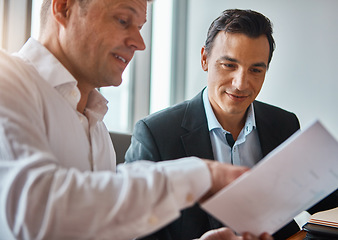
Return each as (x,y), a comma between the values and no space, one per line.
(302,77)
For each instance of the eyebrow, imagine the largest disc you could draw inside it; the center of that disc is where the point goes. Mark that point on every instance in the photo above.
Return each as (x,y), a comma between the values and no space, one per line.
(129,8)
(132,10)
(227,58)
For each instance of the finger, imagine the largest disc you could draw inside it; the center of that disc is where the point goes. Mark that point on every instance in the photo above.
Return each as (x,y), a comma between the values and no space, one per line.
(220,234)
(265,236)
(221,175)
(249,236)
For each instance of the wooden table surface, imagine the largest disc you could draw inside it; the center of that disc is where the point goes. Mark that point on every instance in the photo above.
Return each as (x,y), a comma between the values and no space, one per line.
(298,236)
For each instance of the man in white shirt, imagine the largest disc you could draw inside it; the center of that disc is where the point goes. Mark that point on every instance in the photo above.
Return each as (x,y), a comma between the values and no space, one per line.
(57,165)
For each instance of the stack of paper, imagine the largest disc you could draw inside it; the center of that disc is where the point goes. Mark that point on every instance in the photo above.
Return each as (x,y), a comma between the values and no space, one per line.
(323,224)
(326,218)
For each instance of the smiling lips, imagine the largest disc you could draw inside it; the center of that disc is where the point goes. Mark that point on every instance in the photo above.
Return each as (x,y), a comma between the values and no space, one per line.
(121,58)
(236,97)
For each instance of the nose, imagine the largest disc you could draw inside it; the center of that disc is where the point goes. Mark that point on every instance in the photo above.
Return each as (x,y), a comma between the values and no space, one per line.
(240,80)
(136,40)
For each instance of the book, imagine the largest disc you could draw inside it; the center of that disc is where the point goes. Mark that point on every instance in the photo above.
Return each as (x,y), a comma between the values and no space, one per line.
(326,218)
(324,223)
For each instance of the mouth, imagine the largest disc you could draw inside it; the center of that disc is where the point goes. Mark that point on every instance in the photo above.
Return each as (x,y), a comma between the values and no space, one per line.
(124,60)
(236,97)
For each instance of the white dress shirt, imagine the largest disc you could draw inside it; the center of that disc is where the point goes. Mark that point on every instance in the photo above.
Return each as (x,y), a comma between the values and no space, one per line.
(57,166)
(247,149)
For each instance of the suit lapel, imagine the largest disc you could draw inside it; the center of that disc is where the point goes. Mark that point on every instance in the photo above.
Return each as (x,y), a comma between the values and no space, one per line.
(266,131)
(197,141)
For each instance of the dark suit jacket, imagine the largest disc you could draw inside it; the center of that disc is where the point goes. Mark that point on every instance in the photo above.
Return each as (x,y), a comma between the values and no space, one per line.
(182,131)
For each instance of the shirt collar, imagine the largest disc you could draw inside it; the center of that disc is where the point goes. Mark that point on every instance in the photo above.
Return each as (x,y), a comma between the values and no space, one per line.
(53,72)
(97,105)
(250,122)
(47,65)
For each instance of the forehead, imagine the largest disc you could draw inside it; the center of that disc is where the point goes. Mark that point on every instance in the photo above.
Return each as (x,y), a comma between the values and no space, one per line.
(241,46)
(136,7)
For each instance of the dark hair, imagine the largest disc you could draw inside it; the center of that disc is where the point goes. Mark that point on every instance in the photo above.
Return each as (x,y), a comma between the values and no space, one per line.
(248,22)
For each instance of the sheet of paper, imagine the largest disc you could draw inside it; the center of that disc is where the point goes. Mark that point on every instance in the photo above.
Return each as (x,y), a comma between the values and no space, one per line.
(293,177)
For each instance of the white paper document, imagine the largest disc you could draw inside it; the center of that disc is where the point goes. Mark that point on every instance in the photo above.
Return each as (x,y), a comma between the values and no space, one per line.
(292,178)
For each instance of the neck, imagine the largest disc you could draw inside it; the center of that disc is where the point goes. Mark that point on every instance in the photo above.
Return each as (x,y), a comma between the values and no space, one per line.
(85,91)
(81,106)
(234,124)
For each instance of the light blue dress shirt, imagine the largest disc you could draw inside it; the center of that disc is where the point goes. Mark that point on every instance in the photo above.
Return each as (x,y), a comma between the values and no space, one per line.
(246,150)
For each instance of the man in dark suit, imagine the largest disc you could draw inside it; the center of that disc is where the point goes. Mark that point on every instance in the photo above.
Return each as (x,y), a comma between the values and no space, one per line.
(224,122)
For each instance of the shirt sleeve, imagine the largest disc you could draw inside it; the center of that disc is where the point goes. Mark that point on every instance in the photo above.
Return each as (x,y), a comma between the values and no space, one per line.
(40,200)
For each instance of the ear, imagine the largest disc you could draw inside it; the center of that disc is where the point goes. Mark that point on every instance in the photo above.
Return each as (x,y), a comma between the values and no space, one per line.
(61,11)
(204,59)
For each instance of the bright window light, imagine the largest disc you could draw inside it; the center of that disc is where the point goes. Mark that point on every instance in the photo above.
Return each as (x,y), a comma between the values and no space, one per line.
(1,22)
(161,55)
(117,117)
(36,6)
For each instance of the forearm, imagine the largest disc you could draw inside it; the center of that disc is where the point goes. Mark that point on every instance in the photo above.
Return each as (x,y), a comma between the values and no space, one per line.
(46,201)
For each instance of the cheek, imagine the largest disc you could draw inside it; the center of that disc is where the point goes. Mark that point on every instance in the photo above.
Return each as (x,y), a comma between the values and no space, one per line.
(219,78)
(257,84)
(213,81)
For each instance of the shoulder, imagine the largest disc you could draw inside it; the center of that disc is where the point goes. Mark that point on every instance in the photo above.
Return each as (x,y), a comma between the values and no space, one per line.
(20,83)
(8,63)
(165,122)
(261,108)
(14,67)
(174,115)
(274,125)
(167,114)
(11,61)
(15,74)
(275,117)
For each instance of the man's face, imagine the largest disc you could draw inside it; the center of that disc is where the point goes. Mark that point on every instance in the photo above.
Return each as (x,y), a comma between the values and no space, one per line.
(236,70)
(101,39)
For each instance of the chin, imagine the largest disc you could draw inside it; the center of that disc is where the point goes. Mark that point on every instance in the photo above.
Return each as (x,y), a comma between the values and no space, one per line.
(116,84)
(116,81)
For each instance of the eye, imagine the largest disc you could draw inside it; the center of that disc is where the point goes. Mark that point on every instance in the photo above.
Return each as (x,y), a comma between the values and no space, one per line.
(228,65)
(256,70)
(122,21)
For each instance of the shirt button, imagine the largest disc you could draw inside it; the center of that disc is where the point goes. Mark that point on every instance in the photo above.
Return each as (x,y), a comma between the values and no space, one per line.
(153,220)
